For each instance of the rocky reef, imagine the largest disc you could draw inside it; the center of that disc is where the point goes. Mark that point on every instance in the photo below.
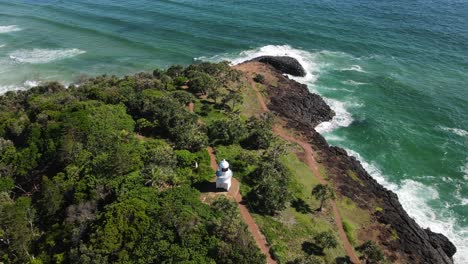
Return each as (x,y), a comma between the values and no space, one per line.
(284,64)
(403,240)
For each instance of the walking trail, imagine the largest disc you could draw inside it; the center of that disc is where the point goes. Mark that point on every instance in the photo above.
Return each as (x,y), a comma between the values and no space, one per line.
(312,163)
(233,192)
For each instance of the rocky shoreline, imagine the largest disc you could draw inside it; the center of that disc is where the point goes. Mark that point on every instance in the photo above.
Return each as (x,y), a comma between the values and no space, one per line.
(403,240)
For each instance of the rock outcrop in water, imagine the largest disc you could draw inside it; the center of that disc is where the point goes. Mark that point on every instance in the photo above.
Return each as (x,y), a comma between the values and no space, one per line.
(402,238)
(294,101)
(284,64)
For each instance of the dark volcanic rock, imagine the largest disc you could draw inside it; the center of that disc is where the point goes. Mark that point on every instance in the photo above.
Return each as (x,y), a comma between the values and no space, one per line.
(294,101)
(303,112)
(439,240)
(284,64)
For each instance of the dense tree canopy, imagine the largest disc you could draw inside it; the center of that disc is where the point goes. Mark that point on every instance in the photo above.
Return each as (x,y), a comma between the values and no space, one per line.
(104,172)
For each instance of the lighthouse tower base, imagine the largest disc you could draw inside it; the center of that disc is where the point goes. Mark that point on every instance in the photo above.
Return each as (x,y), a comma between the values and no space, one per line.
(223,183)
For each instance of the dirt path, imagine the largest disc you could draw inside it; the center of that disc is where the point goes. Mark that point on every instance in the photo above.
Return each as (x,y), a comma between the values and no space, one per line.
(191,107)
(244,212)
(312,163)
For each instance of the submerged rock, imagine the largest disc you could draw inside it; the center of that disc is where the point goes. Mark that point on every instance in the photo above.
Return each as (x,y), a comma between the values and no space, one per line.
(284,64)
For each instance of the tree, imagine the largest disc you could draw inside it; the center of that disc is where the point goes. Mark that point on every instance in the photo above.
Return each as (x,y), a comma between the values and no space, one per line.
(260,133)
(183,97)
(237,245)
(232,99)
(270,193)
(16,227)
(175,71)
(326,240)
(323,192)
(202,83)
(215,94)
(259,78)
(227,131)
(371,253)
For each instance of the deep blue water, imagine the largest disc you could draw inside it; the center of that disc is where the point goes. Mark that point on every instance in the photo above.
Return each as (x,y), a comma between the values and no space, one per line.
(396,72)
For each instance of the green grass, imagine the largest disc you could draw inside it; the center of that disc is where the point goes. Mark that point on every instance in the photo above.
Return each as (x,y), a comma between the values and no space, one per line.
(350,231)
(212,115)
(353,176)
(323,171)
(243,162)
(394,235)
(287,231)
(250,106)
(303,175)
(354,217)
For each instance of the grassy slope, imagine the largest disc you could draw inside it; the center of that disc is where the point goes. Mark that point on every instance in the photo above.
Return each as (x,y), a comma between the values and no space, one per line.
(288,231)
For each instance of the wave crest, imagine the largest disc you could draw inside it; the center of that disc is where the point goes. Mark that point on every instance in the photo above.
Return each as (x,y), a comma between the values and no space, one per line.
(414,197)
(10,28)
(457,131)
(312,65)
(26,85)
(40,56)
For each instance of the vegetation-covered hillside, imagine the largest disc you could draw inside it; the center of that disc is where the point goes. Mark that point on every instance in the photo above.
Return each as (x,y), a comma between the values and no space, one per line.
(103,171)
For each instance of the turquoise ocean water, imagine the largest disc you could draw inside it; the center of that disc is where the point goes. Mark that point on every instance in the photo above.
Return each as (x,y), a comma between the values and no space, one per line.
(396,72)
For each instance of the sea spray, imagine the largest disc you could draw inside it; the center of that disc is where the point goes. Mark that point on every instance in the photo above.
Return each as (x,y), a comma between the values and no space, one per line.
(10,28)
(414,196)
(40,56)
(26,85)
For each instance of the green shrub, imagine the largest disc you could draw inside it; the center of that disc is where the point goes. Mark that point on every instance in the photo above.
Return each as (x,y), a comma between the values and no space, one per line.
(350,231)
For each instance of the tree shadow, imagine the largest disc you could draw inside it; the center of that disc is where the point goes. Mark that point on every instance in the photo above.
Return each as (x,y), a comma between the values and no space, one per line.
(343,260)
(301,206)
(312,249)
(207,186)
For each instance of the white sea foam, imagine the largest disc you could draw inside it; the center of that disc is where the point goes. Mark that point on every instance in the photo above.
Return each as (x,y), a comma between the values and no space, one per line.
(354,68)
(414,197)
(10,28)
(352,83)
(464,170)
(342,117)
(39,56)
(24,86)
(2,45)
(306,59)
(309,61)
(457,131)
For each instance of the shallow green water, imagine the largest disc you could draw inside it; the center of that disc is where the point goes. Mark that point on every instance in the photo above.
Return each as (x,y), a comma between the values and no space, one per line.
(395,72)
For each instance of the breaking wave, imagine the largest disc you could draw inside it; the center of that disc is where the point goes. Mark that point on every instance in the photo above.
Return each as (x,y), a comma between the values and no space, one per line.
(312,65)
(342,117)
(414,197)
(464,170)
(354,68)
(10,28)
(306,59)
(26,85)
(353,83)
(457,131)
(40,56)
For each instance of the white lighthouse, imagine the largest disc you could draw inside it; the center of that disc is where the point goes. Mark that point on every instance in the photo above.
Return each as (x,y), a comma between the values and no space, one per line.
(223,176)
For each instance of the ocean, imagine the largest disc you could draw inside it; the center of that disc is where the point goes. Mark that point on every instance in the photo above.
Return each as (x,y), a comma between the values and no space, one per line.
(395,72)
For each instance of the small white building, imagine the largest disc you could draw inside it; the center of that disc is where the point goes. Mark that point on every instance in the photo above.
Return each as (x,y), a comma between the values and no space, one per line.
(223,176)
